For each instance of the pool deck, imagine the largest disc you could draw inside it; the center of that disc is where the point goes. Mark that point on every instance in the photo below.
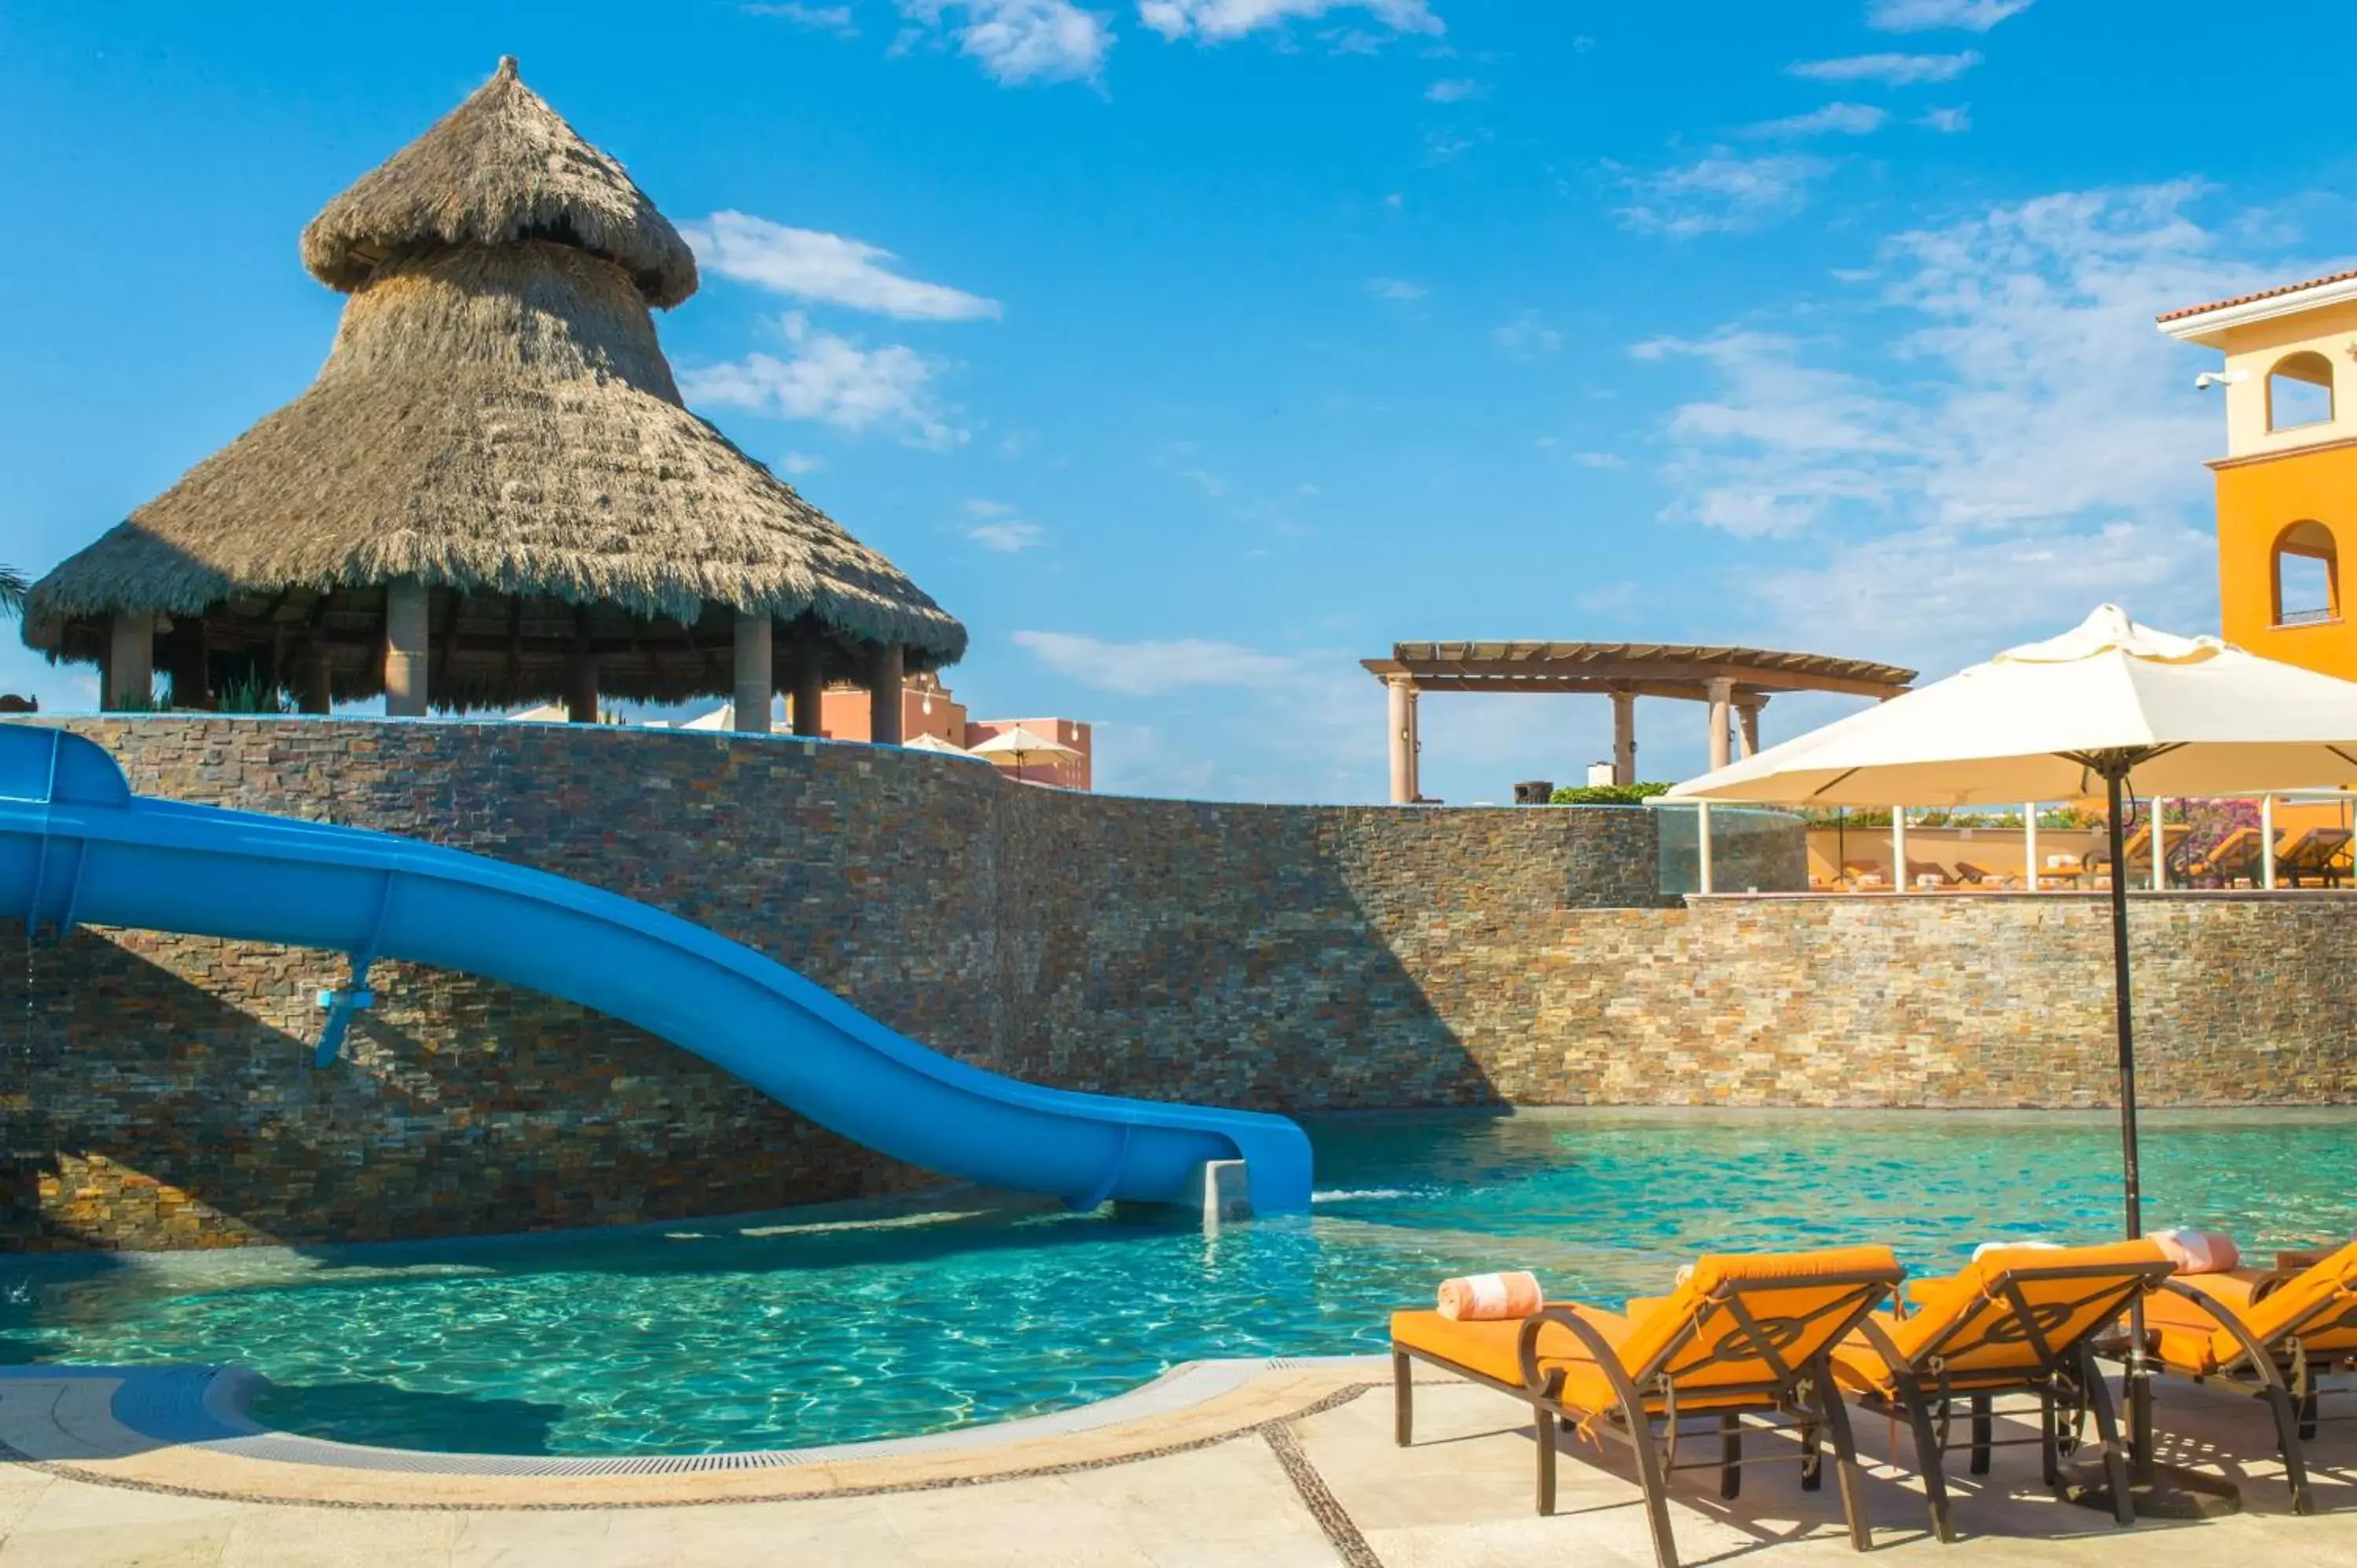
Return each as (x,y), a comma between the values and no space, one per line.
(1290,1465)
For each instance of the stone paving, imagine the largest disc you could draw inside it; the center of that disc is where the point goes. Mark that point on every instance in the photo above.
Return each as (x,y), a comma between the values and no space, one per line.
(1296,1468)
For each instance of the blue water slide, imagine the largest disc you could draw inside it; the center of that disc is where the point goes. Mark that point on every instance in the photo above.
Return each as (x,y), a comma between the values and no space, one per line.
(78,847)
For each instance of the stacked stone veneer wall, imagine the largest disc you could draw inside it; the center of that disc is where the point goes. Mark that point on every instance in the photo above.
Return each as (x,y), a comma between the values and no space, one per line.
(157,1093)
(156,1089)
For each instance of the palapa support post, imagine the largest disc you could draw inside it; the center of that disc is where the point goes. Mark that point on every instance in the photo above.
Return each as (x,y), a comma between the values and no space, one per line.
(1722,697)
(756,673)
(886,673)
(314,681)
(185,662)
(130,660)
(405,652)
(581,673)
(1747,716)
(809,682)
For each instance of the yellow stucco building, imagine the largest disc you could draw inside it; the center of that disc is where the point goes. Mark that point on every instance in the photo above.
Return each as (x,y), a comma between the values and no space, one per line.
(2288,484)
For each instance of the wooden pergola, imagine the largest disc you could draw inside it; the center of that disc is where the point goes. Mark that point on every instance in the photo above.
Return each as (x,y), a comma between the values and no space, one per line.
(1735,682)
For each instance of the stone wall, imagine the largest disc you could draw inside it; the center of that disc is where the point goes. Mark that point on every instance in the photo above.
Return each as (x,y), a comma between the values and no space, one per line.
(158,1092)
(157,1086)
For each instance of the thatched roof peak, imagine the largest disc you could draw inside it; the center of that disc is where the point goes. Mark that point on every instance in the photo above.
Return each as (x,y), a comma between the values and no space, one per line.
(499,168)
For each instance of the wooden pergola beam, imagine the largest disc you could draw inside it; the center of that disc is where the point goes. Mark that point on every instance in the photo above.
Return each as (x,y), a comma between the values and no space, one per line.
(1690,681)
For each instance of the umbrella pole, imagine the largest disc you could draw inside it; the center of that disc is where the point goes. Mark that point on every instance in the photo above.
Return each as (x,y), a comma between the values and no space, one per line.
(2159,1491)
(2139,1389)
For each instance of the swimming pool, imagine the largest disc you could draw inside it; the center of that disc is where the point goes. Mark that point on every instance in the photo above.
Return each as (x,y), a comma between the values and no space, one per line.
(838,1326)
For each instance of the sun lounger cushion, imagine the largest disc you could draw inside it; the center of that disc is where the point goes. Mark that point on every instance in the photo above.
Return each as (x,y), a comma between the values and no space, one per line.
(1478,1298)
(1974,1325)
(1716,1354)
(1488,1346)
(2190,1339)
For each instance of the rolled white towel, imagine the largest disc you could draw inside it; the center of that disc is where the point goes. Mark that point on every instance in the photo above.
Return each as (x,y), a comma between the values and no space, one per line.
(1483,1298)
(2199,1251)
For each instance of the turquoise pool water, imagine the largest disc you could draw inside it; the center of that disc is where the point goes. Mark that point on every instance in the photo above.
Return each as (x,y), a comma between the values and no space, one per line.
(839,1326)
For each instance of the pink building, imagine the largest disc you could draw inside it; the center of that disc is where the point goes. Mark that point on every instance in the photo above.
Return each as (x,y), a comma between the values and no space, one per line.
(928,708)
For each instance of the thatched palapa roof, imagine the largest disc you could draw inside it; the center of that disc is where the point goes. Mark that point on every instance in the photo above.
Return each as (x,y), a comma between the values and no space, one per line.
(497,419)
(499,168)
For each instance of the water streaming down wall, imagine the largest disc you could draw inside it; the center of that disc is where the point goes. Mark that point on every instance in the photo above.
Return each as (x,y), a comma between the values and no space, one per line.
(1296,958)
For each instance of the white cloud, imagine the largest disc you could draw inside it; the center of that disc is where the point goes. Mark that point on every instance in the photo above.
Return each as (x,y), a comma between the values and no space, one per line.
(795,464)
(828,269)
(1923,16)
(835,19)
(1008,535)
(1527,337)
(1834,118)
(997,527)
(1722,193)
(1157,669)
(1946,121)
(1599,460)
(1396,289)
(1890,69)
(1020,41)
(1216,21)
(833,379)
(2003,441)
(1454,89)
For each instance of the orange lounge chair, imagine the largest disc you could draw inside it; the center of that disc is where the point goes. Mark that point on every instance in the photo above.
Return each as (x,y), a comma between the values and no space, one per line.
(2266,1334)
(2017,1320)
(2235,858)
(2320,853)
(1743,1336)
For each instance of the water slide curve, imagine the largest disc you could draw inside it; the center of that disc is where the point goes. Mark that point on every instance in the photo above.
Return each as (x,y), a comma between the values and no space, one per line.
(77,846)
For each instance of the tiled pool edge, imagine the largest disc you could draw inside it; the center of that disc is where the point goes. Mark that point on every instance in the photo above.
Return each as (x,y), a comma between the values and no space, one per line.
(192,1430)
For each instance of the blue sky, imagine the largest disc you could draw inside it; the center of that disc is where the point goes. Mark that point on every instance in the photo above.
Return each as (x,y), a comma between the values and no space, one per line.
(1191,351)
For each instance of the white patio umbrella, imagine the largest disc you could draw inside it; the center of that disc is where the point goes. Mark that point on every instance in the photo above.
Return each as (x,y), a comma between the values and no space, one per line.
(2111,700)
(923,742)
(1018,747)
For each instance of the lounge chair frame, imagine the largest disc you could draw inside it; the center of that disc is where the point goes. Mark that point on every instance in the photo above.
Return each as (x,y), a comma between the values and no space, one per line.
(2063,1376)
(1644,1416)
(2280,1371)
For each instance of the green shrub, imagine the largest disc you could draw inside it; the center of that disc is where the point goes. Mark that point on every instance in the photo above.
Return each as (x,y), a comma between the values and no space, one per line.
(1606,794)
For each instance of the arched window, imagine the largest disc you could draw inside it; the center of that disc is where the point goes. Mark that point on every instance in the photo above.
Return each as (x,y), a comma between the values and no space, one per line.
(2308,576)
(2299,391)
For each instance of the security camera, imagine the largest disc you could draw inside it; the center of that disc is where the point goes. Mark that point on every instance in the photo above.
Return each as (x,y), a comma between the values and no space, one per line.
(2209,379)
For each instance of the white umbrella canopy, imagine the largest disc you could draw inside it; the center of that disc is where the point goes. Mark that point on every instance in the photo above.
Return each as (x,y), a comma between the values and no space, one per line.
(923,742)
(2189,715)
(1017,746)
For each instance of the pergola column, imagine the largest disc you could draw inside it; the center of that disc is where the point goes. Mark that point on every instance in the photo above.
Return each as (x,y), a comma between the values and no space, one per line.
(1747,716)
(130,660)
(807,681)
(886,675)
(1624,737)
(757,672)
(581,673)
(1722,697)
(406,652)
(1406,789)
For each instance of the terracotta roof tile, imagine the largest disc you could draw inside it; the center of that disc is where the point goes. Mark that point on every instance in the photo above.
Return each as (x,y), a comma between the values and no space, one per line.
(2251,299)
